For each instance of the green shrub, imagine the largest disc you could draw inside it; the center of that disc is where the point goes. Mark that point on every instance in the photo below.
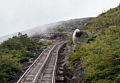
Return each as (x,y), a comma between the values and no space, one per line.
(13,53)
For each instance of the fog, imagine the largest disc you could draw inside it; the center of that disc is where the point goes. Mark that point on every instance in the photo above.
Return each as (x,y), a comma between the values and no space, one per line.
(20,15)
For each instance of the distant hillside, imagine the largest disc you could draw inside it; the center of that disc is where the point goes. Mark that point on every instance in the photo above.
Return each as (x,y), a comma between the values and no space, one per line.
(74,23)
(30,32)
(67,25)
(71,25)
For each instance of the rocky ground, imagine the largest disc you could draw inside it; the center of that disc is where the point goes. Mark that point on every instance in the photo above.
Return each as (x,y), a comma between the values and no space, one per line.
(64,73)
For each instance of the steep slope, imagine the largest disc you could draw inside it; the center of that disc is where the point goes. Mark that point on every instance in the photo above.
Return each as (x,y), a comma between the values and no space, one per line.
(104,20)
(100,57)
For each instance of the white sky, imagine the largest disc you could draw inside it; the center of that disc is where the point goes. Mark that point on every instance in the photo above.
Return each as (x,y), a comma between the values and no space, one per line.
(19,15)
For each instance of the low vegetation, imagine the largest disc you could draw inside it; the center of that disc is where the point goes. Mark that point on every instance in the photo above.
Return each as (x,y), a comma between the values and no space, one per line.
(14,53)
(100,57)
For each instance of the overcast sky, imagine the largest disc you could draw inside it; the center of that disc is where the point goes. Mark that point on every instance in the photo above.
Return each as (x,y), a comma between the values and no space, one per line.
(19,15)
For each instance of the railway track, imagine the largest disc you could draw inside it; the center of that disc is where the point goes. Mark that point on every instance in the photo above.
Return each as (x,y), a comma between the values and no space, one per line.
(43,68)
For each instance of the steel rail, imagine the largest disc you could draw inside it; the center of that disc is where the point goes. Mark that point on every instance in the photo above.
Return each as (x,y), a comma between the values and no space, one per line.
(31,67)
(50,50)
(39,71)
(50,67)
(54,69)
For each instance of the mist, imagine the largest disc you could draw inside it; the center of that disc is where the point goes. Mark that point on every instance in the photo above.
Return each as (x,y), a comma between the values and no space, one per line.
(21,15)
